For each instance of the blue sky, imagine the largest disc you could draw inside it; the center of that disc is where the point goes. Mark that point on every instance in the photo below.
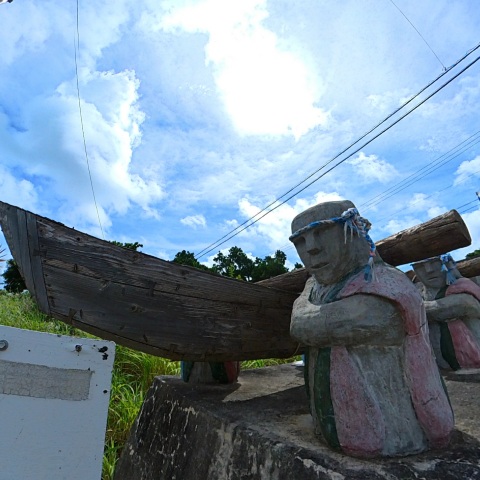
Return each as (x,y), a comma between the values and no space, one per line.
(198,114)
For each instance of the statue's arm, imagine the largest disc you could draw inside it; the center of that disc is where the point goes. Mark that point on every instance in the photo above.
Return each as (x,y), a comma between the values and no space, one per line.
(452,307)
(357,320)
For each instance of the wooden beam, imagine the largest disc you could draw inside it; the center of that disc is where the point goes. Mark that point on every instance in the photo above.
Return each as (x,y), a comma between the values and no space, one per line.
(439,235)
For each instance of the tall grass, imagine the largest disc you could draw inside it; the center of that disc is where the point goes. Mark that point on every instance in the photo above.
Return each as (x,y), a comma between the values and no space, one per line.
(132,375)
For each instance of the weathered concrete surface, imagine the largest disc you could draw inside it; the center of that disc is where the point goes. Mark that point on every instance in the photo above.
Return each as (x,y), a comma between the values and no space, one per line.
(260,429)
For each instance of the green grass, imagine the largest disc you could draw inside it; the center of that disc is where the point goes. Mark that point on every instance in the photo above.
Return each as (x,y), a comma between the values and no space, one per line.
(133,371)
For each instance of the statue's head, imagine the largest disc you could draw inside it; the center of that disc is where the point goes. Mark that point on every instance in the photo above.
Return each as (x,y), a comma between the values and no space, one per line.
(436,272)
(326,248)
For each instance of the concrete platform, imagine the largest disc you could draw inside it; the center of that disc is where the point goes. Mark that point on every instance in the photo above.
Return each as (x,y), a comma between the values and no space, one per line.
(260,428)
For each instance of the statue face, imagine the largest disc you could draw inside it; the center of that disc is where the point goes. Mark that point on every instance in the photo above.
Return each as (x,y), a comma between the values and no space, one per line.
(325,254)
(430,273)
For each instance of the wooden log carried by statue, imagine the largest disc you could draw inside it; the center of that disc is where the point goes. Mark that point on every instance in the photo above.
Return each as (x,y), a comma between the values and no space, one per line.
(374,388)
(469,268)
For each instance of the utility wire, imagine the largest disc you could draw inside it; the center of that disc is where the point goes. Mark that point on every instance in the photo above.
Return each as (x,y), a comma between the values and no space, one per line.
(77,47)
(290,246)
(422,173)
(465,204)
(427,197)
(246,225)
(215,244)
(421,36)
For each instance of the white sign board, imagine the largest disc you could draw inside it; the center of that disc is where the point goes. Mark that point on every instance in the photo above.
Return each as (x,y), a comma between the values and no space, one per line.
(54,394)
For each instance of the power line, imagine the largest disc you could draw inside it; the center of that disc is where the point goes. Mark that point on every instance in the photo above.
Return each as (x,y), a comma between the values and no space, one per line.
(465,204)
(421,36)
(77,46)
(429,196)
(418,175)
(246,225)
(216,243)
(289,246)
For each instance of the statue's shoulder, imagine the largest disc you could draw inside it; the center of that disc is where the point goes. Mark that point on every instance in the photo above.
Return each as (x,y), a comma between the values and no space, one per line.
(464,285)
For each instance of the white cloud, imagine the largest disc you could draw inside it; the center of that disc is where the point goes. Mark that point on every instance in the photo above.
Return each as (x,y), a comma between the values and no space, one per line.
(18,192)
(387,102)
(266,87)
(467,170)
(194,221)
(274,228)
(420,202)
(30,27)
(472,220)
(372,169)
(398,224)
(53,150)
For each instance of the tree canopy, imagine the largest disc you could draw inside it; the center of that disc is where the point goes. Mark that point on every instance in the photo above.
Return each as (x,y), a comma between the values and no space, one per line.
(474,254)
(131,246)
(188,258)
(13,281)
(237,264)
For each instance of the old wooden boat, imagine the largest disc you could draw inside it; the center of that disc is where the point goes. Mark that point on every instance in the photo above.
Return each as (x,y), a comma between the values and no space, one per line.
(175,311)
(143,302)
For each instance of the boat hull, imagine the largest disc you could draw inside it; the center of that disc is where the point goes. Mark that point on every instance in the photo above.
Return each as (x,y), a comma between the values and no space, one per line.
(143,302)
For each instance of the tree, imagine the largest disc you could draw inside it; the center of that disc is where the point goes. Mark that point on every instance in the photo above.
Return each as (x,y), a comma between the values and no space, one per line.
(269,267)
(13,280)
(188,258)
(475,253)
(131,246)
(236,264)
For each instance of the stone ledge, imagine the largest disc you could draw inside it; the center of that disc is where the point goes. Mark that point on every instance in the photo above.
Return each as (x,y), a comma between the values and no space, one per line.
(260,428)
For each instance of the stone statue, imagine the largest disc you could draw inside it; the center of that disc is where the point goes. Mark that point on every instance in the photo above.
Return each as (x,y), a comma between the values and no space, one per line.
(373,385)
(209,372)
(452,303)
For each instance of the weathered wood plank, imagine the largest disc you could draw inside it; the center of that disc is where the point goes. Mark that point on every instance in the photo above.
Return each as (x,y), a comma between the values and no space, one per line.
(20,229)
(293,281)
(469,268)
(87,256)
(165,324)
(36,269)
(437,236)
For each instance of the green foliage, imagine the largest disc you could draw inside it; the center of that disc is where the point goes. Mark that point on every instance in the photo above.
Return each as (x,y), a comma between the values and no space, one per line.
(474,254)
(238,265)
(131,246)
(13,280)
(188,258)
(269,267)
